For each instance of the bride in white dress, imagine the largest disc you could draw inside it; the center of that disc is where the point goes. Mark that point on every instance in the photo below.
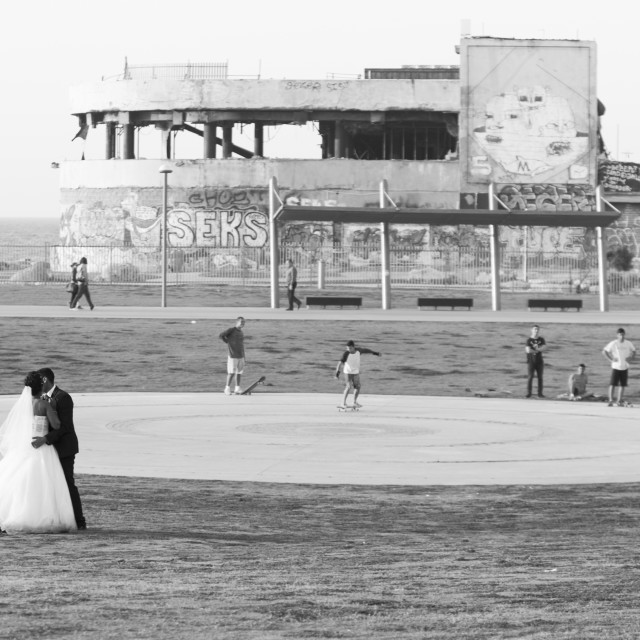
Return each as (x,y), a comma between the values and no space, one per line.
(34,497)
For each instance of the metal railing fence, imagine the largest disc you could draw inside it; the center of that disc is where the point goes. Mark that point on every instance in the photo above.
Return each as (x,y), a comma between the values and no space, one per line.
(182,71)
(357,265)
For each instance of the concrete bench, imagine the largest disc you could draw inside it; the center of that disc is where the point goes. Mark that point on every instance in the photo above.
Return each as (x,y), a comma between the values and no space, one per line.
(334,301)
(452,303)
(555,303)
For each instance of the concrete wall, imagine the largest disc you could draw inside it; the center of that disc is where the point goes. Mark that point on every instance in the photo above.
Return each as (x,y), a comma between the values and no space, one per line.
(220,95)
(224,203)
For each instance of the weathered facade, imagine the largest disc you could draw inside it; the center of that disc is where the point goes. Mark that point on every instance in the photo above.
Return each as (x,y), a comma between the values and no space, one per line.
(522,115)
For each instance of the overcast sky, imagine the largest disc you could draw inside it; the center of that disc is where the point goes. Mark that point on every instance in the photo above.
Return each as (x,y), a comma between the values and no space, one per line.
(49,46)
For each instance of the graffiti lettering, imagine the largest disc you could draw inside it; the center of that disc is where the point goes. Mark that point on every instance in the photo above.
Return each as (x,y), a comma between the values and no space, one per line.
(314,85)
(299,200)
(180,231)
(337,86)
(548,197)
(223,198)
(233,228)
(620,176)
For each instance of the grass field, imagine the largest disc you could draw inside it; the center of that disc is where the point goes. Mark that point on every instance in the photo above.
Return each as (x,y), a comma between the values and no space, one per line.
(199,560)
(181,559)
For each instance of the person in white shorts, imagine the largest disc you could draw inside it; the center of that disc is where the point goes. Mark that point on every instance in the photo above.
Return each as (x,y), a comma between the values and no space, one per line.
(234,339)
(350,362)
(619,352)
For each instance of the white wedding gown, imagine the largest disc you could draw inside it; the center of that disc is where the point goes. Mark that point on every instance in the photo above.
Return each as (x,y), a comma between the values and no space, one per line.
(34,497)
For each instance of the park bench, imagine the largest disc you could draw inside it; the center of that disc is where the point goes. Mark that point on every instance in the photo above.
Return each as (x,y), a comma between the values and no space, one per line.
(334,301)
(555,303)
(452,303)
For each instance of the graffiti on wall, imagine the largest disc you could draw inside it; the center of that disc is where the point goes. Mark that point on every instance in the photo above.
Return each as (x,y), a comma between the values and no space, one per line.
(224,218)
(239,218)
(547,197)
(625,232)
(620,177)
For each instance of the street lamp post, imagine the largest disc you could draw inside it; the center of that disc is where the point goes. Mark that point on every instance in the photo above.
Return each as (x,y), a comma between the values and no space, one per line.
(165,170)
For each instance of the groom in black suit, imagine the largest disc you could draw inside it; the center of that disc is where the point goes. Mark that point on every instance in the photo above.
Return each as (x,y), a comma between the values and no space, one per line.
(63,439)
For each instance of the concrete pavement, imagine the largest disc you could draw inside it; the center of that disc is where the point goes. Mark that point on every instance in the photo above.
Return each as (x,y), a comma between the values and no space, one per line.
(303,438)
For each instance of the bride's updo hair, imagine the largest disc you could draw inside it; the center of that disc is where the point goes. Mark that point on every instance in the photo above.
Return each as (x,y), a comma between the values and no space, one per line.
(34,380)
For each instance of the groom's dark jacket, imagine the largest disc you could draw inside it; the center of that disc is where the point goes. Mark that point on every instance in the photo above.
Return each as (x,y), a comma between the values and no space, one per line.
(63,439)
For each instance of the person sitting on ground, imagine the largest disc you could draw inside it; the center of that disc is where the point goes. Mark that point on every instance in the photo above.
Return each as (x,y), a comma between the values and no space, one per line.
(578,384)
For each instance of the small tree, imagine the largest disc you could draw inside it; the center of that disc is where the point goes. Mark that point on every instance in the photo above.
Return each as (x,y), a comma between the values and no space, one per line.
(620,259)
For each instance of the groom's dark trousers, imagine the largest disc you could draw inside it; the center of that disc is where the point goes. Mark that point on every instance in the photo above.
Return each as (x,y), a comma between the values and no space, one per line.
(65,441)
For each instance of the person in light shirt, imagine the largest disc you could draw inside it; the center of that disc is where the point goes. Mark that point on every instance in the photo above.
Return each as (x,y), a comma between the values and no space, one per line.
(619,352)
(350,363)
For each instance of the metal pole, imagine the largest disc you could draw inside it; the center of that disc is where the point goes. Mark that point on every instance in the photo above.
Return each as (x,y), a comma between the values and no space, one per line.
(494,243)
(385,251)
(165,170)
(603,287)
(525,270)
(273,239)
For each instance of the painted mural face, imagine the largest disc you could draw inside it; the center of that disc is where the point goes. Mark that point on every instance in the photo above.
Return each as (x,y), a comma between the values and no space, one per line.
(529,132)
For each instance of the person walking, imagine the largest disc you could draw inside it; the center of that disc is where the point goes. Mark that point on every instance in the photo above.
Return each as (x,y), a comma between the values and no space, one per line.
(619,352)
(63,439)
(82,277)
(234,339)
(292,283)
(350,363)
(72,286)
(534,347)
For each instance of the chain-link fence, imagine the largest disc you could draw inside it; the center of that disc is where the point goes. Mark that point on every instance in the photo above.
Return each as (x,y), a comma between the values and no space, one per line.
(453,267)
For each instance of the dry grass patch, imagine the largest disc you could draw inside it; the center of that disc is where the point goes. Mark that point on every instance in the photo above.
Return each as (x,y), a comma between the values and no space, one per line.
(193,559)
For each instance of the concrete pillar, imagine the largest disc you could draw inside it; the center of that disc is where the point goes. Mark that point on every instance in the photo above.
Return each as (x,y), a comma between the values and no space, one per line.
(603,279)
(385,250)
(128,131)
(110,143)
(227,139)
(210,140)
(258,140)
(165,144)
(329,141)
(338,140)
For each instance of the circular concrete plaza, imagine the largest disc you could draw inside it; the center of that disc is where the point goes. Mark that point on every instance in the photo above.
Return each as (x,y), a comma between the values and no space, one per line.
(400,440)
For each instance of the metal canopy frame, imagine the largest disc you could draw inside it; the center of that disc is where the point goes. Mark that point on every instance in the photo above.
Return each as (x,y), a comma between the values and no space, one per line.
(388,213)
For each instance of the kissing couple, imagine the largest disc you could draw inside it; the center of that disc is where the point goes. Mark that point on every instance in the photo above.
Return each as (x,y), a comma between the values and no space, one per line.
(38,446)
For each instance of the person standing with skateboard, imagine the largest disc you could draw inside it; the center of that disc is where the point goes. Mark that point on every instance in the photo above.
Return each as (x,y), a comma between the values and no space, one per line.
(350,362)
(234,339)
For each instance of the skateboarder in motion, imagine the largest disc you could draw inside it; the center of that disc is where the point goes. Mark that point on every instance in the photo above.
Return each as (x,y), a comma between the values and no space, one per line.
(350,362)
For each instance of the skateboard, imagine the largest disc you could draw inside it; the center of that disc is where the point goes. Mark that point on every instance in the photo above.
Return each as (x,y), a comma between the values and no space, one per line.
(250,388)
(626,404)
(349,407)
